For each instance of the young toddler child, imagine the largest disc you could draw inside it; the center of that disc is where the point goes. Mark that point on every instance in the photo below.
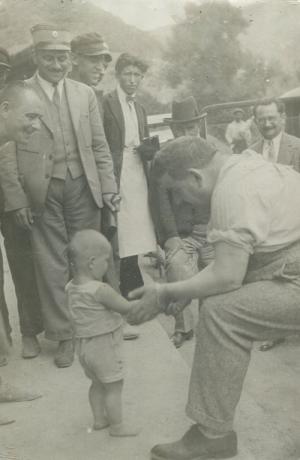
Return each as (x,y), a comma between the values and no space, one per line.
(96,315)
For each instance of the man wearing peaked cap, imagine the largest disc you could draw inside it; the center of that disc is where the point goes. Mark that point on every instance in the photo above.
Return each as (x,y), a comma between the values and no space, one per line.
(181,228)
(91,57)
(66,176)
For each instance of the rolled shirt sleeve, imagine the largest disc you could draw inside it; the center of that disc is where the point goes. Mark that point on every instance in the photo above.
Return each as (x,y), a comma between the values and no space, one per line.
(241,214)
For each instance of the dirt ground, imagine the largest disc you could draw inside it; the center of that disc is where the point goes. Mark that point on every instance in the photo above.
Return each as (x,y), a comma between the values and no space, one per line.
(57,426)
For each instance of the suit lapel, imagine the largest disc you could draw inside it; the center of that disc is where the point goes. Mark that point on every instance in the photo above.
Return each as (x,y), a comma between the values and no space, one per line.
(140,117)
(284,154)
(73,99)
(47,119)
(116,109)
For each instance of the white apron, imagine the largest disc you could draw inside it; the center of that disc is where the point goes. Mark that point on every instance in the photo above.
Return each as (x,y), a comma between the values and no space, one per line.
(135,227)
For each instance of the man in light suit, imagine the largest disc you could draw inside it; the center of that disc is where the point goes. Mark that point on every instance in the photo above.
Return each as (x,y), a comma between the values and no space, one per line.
(60,178)
(125,125)
(275,146)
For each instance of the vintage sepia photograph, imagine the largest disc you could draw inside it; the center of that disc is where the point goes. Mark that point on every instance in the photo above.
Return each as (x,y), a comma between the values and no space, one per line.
(149,229)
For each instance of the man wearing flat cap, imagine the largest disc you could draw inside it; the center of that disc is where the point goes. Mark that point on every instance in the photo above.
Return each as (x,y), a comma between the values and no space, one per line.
(181,227)
(62,177)
(91,57)
(238,134)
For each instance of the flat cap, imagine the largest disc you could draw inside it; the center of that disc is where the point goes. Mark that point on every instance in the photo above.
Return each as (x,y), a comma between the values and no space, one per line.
(48,37)
(4,58)
(91,44)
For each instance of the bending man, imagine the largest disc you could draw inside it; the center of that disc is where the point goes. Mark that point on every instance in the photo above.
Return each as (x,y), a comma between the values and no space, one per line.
(251,290)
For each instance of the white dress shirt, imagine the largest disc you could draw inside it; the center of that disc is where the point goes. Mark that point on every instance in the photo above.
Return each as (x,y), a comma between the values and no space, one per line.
(136,233)
(275,147)
(132,138)
(255,204)
(49,88)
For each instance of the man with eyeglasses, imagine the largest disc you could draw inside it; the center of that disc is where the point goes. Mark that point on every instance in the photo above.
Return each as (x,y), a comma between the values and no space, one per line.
(61,178)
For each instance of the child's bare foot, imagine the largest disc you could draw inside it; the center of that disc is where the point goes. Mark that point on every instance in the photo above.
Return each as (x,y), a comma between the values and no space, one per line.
(123,430)
(100,424)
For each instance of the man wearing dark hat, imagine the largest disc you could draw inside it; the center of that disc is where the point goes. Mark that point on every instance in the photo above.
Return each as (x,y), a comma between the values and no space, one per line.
(181,228)
(91,57)
(61,178)
(19,255)
(238,134)
(125,125)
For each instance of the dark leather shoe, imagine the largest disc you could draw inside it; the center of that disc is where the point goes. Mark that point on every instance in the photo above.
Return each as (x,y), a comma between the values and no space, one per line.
(31,347)
(180,337)
(64,356)
(270,344)
(195,446)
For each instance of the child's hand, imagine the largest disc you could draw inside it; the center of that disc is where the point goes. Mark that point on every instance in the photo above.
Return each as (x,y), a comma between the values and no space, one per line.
(146,307)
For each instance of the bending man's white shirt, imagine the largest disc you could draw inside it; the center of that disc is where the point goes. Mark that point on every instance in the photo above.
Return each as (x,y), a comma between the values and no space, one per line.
(253,205)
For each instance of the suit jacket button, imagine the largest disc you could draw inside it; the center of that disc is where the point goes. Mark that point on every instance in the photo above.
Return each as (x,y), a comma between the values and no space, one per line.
(50,157)
(47,176)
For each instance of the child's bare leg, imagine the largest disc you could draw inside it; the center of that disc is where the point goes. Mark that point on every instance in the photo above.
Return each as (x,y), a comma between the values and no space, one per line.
(113,405)
(96,398)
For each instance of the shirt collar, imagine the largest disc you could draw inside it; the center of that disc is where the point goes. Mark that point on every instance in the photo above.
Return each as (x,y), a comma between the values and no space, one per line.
(49,87)
(122,95)
(276,144)
(276,140)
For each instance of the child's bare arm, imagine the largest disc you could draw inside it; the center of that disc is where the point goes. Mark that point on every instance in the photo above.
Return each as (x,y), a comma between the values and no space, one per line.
(112,300)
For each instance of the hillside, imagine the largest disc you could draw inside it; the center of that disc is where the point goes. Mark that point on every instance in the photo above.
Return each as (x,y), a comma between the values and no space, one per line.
(274,31)
(78,16)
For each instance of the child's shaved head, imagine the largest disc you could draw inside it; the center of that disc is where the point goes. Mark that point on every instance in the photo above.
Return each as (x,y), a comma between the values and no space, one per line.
(86,244)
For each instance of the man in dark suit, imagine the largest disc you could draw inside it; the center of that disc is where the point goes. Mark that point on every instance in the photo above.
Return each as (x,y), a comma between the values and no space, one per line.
(20,112)
(19,255)
(125,126)
(60,178)
(275,146)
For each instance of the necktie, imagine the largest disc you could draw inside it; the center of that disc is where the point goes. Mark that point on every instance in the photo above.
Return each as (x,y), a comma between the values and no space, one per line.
(56,97)
(271,152)
(130,99)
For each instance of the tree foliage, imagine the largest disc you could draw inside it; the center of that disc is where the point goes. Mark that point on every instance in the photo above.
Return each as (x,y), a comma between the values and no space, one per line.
(205,57)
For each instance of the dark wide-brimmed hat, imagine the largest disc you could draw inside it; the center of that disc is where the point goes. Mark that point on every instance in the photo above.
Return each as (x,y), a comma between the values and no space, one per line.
(4,59)
(185,111)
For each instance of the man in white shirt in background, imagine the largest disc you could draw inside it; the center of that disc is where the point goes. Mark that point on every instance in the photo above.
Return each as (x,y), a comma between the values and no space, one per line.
(238,134)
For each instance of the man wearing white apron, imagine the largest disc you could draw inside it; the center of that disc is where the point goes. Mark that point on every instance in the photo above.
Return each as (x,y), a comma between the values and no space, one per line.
(125,127)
